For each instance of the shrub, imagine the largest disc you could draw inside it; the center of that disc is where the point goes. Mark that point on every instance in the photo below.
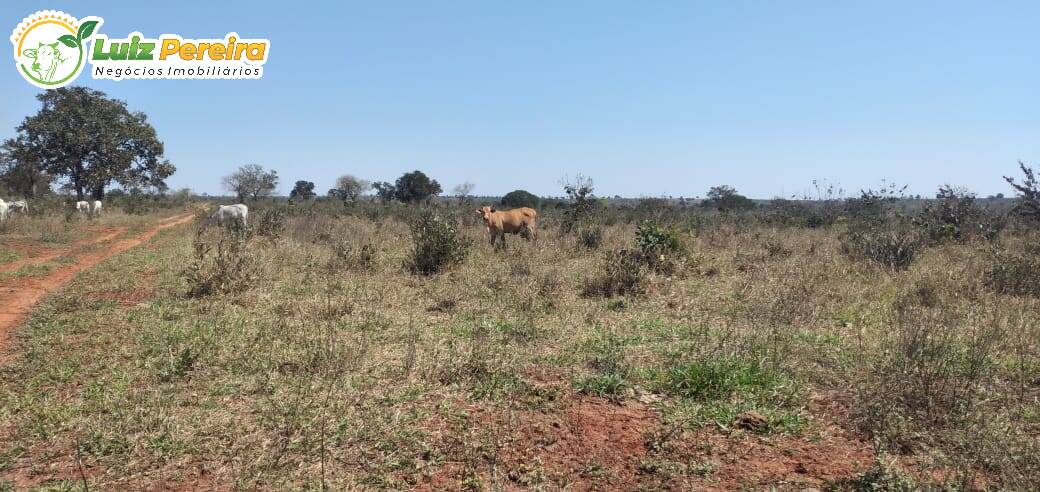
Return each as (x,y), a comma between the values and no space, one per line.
(224,268)
(890,247)
(622,275)
(270,223)
(955,216)
(437,244)
(1015,274)
(351,258)
(590,237)
(1028,192)
(659,247)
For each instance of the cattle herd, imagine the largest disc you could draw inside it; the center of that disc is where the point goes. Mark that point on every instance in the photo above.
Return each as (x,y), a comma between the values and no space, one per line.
(7,209)
(498,222)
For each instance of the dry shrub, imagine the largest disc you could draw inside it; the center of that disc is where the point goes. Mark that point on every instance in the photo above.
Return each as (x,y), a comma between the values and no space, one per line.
(622,275)
(590,237)
(1015,273)
(221,268)
(888,246)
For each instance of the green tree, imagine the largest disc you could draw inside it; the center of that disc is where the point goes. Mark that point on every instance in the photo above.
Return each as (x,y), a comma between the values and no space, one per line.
(520,198)
(385,191)
(415,187)
(20,170)
(726,198)
(82,135)
(303,190)
(251,181)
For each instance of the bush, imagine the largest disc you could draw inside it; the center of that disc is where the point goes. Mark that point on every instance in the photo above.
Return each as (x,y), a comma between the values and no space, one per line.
(890,247)
(1015,274)
(270,223)
(955,216)
(520,198)
(622,275)
(227,267)
(659,247)
(590,237)
(437,244)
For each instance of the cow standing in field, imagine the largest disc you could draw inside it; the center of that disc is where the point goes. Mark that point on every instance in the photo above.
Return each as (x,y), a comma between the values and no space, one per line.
(83,207)
(229,213)
(20,207)
(96,210)
(515,221)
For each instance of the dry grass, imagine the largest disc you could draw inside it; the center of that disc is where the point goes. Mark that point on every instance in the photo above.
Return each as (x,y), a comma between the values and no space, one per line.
(326,368)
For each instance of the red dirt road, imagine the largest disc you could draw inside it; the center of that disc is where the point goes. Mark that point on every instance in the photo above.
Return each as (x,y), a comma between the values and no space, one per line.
(19,299)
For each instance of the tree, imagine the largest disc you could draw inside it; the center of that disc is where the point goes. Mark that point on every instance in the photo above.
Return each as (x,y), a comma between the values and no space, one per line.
(349,188)
(520,198)
(463,190)
(385,191)
(583,201)
(20,170)
(1028,193)
(415,187)
(251,181)
(303,190)
(726,198)
(91,140)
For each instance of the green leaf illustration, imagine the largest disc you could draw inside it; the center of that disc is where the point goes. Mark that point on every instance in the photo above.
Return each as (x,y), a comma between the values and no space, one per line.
(69,41)
(86,29)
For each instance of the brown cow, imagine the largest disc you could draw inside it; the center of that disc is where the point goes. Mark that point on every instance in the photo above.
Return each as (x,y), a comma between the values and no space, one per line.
(516,221)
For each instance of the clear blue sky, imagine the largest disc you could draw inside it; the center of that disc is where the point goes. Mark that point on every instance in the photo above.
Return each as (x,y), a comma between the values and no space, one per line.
(648,98)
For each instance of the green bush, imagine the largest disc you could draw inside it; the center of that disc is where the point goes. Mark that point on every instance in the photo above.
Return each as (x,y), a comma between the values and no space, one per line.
(437,244)
(715,379)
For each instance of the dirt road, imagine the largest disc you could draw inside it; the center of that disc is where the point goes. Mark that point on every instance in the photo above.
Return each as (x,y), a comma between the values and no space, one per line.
(18,299)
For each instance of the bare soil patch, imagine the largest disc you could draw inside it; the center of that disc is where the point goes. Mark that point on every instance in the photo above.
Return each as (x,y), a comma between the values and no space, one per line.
(20,297)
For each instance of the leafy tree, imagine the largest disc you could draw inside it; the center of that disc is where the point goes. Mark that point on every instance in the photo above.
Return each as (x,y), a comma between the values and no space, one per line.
(20,170)
(385,191)
(349,188)
(583,201)
(91,140)
(251,181)
(415,187)
(726,198)
(463,190)
(520,198)
(1028,193)
(303,190)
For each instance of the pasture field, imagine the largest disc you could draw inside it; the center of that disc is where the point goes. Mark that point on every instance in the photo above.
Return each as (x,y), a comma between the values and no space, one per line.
(656,349)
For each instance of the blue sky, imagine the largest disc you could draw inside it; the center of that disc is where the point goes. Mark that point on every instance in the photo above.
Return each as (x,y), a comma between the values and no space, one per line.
(648,98)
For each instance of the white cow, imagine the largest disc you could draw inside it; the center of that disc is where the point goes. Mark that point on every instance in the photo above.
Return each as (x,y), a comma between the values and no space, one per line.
(83,207)
(3,210)
(229,213)
(20,206)
(96,211)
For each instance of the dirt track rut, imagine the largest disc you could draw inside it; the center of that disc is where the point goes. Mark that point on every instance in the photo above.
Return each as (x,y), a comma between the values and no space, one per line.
(19,299)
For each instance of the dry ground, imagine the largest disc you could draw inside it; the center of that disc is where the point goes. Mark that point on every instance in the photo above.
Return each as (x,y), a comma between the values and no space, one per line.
(333,367)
